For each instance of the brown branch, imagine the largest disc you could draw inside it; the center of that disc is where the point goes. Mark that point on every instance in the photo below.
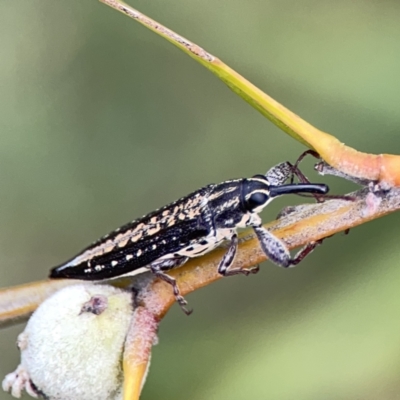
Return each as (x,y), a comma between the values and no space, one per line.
(305,224)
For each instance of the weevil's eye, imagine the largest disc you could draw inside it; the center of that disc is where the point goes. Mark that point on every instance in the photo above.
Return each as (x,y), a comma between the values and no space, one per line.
(256,199)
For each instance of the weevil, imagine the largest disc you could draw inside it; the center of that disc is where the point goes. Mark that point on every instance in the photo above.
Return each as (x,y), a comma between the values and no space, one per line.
(190,227)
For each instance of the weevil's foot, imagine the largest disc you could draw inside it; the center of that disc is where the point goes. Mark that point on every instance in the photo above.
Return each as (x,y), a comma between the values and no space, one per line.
(242,271)
(186,310)
(255,269)
(182,303)
(252,270)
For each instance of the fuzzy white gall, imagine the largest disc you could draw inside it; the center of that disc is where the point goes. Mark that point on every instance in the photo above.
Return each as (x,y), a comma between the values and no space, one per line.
(73,344)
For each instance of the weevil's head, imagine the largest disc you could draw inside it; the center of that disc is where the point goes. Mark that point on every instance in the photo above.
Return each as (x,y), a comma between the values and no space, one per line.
(256,192)
(236,203)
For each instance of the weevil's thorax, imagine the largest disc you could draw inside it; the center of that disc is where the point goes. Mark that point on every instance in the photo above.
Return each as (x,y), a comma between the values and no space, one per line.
(224,202)
(236,203)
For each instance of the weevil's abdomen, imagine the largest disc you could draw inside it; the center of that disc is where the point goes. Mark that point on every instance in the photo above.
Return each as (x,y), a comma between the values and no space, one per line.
(137,244)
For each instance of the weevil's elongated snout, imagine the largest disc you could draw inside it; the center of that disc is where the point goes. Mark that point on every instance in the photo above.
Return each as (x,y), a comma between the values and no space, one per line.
(317,188)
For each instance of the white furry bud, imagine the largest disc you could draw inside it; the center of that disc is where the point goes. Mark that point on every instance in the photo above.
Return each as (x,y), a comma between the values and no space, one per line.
(72,346)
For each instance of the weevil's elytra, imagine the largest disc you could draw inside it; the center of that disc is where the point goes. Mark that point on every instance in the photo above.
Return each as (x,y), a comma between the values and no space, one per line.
(187,228)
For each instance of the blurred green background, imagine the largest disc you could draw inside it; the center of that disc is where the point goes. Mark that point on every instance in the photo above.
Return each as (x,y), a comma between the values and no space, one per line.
(102,121)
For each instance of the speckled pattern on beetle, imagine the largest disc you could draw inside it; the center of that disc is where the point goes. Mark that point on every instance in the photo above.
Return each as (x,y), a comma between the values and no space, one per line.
(190,227)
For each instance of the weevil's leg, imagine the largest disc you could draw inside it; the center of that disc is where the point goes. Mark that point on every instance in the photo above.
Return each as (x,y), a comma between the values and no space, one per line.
(304,154)
(296,170)
(273,247)
(228,258)
(157,268)
(280,173)
(325,169)
(304,252)
(277,251)
(302,178)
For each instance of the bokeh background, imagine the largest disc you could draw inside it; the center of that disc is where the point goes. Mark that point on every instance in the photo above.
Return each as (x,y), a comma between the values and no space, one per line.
(102,121)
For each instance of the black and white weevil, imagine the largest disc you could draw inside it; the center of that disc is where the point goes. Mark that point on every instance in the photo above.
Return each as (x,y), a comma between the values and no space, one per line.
(190,227)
